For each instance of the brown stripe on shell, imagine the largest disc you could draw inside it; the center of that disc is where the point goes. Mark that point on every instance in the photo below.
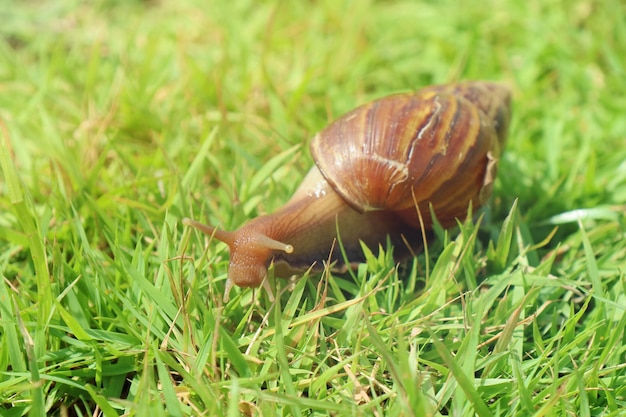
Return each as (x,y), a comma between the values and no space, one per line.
(491,98)
(470,140)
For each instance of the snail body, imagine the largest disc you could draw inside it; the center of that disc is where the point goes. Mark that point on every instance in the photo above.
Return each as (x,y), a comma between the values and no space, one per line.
(377,169)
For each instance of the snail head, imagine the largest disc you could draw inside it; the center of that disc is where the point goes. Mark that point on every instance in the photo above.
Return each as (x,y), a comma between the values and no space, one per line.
(251,251)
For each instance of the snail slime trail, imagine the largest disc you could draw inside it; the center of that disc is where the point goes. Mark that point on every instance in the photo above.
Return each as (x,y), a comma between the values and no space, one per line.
(375,168)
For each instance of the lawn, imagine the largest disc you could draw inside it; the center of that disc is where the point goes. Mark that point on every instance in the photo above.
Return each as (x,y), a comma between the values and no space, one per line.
(120,118)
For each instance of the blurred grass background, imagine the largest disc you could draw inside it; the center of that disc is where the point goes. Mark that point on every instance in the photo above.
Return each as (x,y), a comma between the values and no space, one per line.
(121,117)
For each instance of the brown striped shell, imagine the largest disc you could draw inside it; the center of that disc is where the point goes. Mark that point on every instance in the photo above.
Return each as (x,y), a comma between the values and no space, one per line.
(437,146)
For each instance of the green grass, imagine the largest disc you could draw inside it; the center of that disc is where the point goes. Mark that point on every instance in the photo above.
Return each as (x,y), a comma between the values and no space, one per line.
(119,118)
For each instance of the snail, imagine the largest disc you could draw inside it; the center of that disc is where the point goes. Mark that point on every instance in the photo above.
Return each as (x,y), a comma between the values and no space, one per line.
(379,170)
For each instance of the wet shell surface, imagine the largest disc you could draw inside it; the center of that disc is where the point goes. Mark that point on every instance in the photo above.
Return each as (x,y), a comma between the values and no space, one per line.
(431,146)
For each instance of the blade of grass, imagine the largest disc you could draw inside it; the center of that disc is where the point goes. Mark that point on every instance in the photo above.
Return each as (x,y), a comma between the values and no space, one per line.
(592,265)
(462,379)
(23,209)
(500,254)
(172,405)
(283,362)
(12,346)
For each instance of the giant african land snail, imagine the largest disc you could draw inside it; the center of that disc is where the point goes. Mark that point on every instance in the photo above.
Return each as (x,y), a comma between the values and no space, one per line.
(375,168)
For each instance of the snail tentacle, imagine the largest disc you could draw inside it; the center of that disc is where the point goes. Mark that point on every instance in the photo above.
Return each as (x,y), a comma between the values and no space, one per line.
(273,244)
(221,235)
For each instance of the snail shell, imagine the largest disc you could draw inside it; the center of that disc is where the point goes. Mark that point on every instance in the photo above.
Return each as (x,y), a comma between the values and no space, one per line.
(377,167)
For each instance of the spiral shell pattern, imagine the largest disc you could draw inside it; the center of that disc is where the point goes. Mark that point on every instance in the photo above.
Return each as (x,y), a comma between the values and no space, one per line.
(437,147)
